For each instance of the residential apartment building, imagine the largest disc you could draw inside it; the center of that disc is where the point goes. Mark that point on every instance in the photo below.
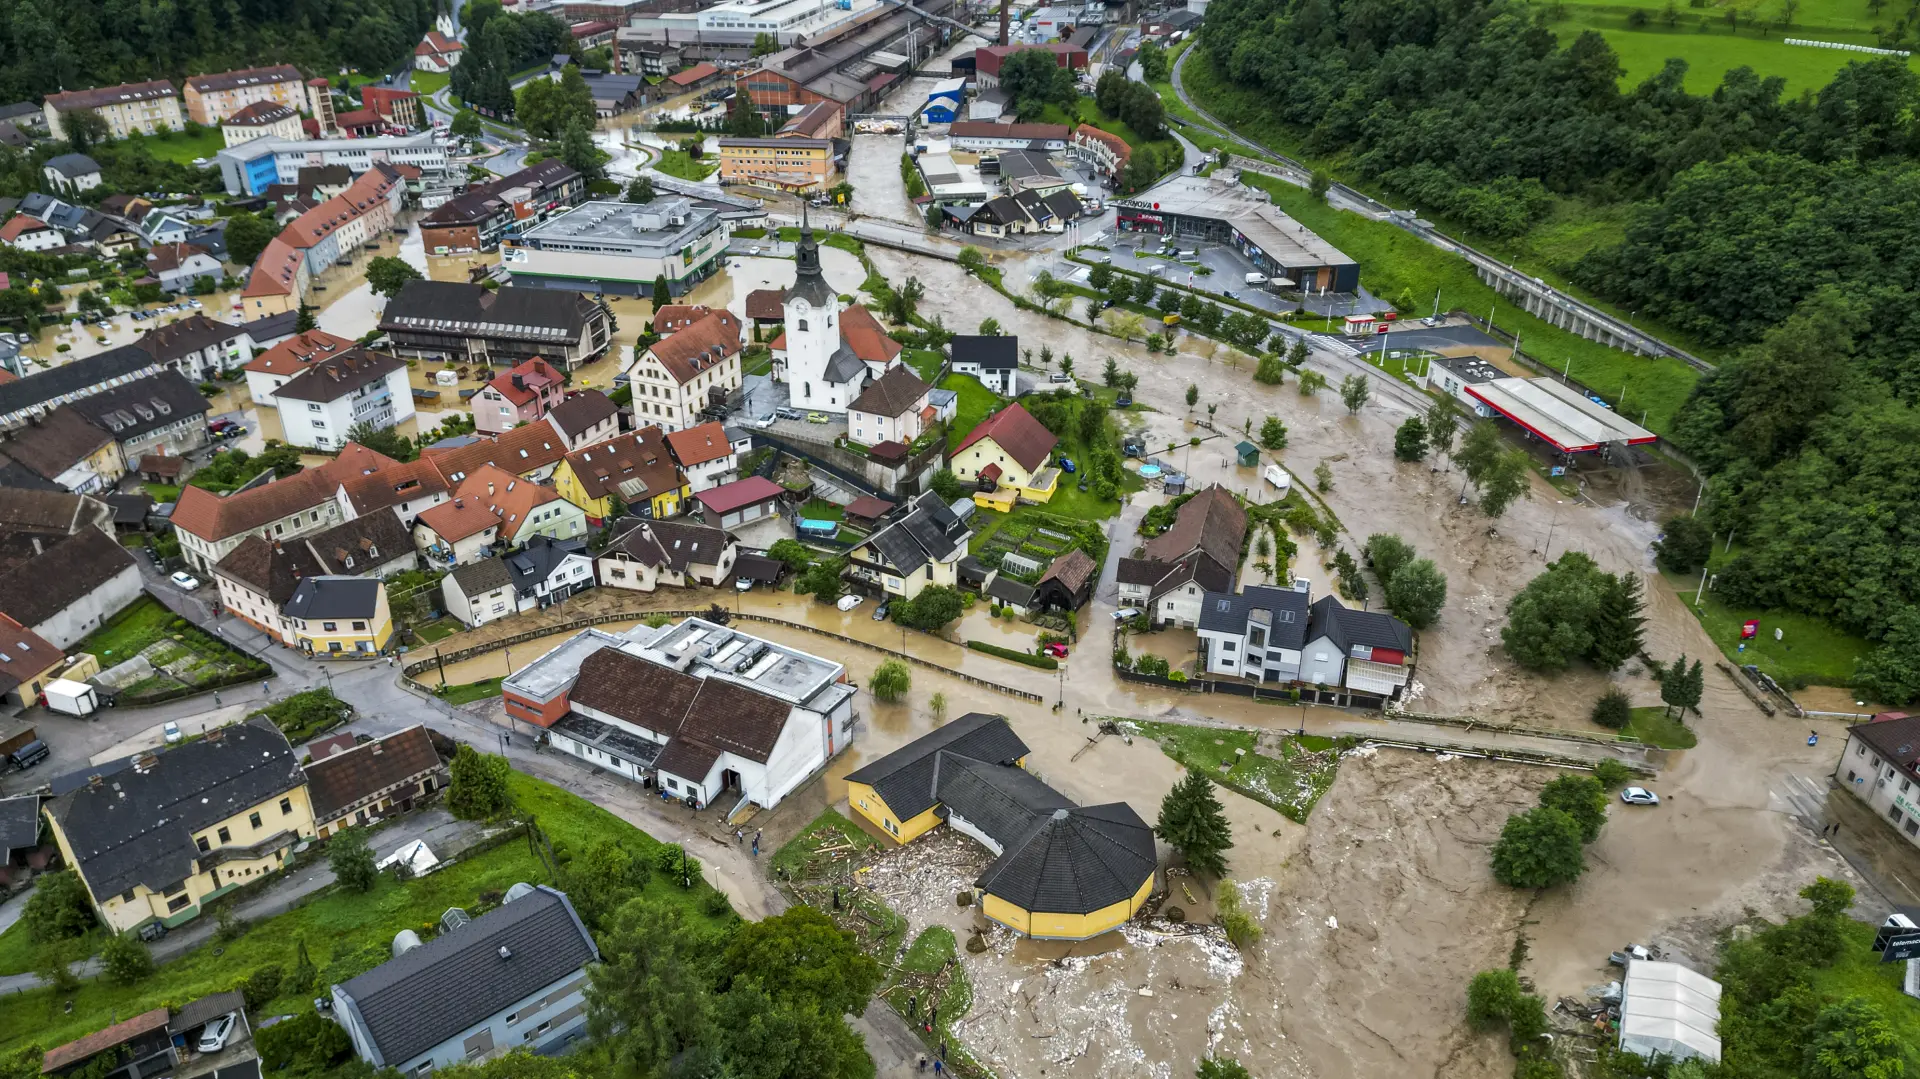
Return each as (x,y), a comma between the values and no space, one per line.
(276,366)
(1105,152)
(680,376)
(43,391)
(493,510)
(620,248)
(63,449)
(197,346)
(215,813)
(1273,635)
(135,108)
(163,414)
(258,578)
(277,284)
(211,525)
(262,119)
(504,327)
(213,98)
(705,711)
(782,164)
(250,167)
(319,406)
(524,394)
(705,455)
(1881,766)
(478,218)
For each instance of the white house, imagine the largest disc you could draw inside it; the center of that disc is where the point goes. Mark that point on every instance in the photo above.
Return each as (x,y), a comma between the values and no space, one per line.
(644,555)
(705,455)
(710,713)
(479,592)
(585,418)
(681,375)
(1273,635)
(178,265)
(161,227)
(1881,766)
(322,403)
(198,346)
(828,353)
(275,367)
(547,571)
(30,234)
(893,408)
(72,173)
(992,360)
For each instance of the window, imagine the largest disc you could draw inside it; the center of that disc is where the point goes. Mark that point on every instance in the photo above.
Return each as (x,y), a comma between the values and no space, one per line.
(333,646)
(286,806)
(254,820)
(329,626)
(1893,813)
(359,625)
(1228,646)
(512,1018)
(1913,827)
(126,896)
(178,902)
(225,835)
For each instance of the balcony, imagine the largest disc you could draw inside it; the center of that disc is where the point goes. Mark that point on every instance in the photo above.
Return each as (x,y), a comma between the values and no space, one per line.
(233,852)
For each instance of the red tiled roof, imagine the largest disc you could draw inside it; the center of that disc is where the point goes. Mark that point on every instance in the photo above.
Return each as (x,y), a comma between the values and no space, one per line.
(698,347)
(24,654)
(291,356)
(600,469)
(519,451)
(357,118)
(215,517)
(316,224)
(678,316)
(1106,138)
(766,304)
(869,508)
(20,226)
(171,256)
(394,483)
(698,445)
(276,271)
(490,496)
(60,1056)
(1015,430)
(731,496)
(436,42)
(535,375)
(862,333)
(692,75)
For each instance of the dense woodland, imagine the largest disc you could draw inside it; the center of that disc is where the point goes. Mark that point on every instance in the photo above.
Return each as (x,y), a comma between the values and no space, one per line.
(1778,229)
(50,45)
(499,46)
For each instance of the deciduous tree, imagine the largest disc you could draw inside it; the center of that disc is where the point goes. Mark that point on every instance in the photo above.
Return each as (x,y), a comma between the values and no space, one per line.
(1579,797)
(1538,849)
(801,956)
(351,860)
(1416,592)
(1410,440)
(890,681)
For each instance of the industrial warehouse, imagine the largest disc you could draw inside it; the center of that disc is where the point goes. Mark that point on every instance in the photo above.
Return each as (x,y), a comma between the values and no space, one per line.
(1060,871)
(1201,208)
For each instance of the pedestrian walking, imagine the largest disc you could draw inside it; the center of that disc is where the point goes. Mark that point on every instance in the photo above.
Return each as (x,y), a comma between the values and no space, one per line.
(923,1062)
(739,835)
(756,838)
(913,1007)
(1813,738)
(939,1067)
(756,846)
(943,1049)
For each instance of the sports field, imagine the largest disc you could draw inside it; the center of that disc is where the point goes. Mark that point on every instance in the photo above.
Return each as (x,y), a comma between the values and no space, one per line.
(1645,33)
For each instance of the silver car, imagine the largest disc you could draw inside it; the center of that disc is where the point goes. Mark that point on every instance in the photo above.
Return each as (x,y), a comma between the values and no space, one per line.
(213,1037)
(1639,796)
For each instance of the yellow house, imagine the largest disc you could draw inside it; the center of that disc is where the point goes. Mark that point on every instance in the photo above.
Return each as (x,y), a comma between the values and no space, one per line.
(637,469)
(28,662)
(1006,458)
(1060,871)
(212,814)
(338,615)
(62,447)
(921,547)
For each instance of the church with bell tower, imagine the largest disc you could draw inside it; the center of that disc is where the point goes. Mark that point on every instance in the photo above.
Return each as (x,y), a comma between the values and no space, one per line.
(828,351)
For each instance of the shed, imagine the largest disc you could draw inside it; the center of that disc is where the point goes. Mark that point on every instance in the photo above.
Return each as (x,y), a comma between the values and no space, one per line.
(1068,583)
(1248,453)
(161,468)
(1669,1010)
(867,510)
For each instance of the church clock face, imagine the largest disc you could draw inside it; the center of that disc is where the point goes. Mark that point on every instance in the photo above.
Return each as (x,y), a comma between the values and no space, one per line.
(800,305)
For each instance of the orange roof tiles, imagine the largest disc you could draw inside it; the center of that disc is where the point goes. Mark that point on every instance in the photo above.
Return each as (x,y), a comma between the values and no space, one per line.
(214,517)
(699,347)
(291,356)
(491,496)
(862,333)
(698,445)
(601,469)
(678,316)
(519,451)
(535,375)
(276,272)
(19,227)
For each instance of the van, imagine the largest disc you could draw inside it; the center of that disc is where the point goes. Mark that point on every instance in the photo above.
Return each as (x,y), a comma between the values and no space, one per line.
(30,754)
(1256,279)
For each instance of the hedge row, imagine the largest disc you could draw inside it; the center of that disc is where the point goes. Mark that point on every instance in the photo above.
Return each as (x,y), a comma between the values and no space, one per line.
(1045,663)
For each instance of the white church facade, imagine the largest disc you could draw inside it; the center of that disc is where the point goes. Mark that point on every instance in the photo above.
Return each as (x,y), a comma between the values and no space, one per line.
(828,352)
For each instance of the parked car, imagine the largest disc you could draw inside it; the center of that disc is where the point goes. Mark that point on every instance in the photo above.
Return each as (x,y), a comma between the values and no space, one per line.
(764,421)
(1056,650)
(1059,376)
(1067,466)
(171,732)
(743,584)
(788,413)
(186,581)
(30,754)
(213,1036)
(848,603)
(1639,796)
(880,613)
(816,417)
(1126,613)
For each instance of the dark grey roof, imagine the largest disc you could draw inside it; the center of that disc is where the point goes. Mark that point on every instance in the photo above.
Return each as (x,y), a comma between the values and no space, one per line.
(1005,801)
(891,394)
(137,826)
(537,560)
(1076,861)
(999,353)
(458,309)
(459,978)
(1286,613)
(1223,612)
(1010,590)
(144,405)
(478,578)
(334,597)
(927,531)
(844,365)
(272,329)
(905,777)
(1141,571)
(73,165)
(581,411)
(19,825)
(44,386)
(1346,627)
(758,567)
(809,284)
(675,544)
(356,546)
(206,1010)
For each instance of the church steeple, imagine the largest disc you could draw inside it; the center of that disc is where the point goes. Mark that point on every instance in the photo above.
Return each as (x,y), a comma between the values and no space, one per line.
(810,284)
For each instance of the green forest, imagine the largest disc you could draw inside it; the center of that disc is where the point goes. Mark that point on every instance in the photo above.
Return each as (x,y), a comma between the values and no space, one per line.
(51,45)
(1778,230)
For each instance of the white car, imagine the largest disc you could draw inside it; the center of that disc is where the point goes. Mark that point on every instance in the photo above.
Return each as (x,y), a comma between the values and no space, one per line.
(1127,613)
(848,603)
(187,581)
(213,1036)
(766,420)
(1639,796)
(171,732)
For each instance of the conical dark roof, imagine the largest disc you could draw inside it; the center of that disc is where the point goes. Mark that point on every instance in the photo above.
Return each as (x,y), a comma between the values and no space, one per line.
(1076,861)
(811,285)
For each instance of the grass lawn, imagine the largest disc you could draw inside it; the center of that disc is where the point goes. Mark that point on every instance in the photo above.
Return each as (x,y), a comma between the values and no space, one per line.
(438,630)
(181,147)
(162,492)
(924,361)
(469,692)
(1711,48)
(345,933)
(1859,973)
(974,404)
(1809,648)
(1290,783)
(819,509)
(1399,266)
(428,83)
(1655,727)
(829,829)
(1165,149)
(677,163)
(924,959)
